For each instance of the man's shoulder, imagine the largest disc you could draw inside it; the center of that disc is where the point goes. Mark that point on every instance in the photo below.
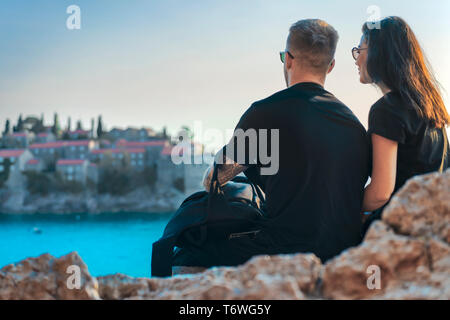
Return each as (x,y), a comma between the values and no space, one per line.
(274,98)
(319,99)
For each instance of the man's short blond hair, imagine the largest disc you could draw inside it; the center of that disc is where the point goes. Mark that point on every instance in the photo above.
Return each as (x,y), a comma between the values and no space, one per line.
(314,41)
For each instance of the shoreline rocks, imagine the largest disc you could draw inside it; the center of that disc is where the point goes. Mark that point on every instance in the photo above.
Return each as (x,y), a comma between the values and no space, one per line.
(140,200)
(404,256)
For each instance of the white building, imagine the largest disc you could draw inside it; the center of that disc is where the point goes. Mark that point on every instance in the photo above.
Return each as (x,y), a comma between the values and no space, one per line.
(34,164)
(45,137)
(189,174)
(18,139)
(72,169)
(17,159)
(135,157)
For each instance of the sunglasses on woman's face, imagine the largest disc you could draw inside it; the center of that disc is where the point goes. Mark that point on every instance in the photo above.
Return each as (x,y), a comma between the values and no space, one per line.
(283,55)
(356,52)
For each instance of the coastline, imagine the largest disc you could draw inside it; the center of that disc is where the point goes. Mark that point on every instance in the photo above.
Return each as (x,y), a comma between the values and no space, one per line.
(140,200)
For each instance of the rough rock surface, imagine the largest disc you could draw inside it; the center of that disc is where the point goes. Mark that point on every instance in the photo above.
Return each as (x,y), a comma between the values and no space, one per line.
(46,277)
(409,248)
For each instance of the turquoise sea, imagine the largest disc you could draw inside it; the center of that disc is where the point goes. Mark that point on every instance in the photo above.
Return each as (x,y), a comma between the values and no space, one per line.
(107,243)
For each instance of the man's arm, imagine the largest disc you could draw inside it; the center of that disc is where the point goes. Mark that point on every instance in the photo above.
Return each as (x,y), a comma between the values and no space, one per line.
(227,171)
(251,119)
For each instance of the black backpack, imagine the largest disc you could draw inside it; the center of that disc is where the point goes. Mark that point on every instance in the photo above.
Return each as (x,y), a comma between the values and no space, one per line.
(209,216)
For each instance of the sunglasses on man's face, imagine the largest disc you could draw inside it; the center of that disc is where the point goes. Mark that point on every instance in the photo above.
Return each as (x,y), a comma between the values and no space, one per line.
(283,55)
(356,51)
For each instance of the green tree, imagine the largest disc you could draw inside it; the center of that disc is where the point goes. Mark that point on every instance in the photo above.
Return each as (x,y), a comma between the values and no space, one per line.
(99,127)
(150,176)
(187,132)
(6,131)
(79,125)
(56,128)
(4,175)
(19,124)
(114,179)
(178,183)
(38,126)
(38,182)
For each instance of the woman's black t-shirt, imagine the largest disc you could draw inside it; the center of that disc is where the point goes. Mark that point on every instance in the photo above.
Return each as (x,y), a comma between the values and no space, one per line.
(420,145)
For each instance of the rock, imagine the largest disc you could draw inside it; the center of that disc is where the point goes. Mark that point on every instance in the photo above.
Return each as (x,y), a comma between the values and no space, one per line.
(409,250)
(120,286)
(410,246)
(45,278)
(399,258)
(422,207)
(262,277)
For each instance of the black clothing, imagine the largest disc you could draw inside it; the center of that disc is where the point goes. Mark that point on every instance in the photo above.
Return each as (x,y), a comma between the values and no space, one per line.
(314,200)
(420,144)
(231,252)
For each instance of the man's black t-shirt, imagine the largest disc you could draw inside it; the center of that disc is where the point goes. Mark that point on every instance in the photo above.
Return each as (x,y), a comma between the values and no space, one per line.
(314,200)
(420,145)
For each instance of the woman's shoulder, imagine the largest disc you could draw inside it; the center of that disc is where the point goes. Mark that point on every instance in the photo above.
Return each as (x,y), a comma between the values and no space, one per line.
(392,102)
(394,119)
(392,105)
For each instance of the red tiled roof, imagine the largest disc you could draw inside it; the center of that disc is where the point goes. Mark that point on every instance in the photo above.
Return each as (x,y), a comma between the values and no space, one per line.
(19,134)
(56,144)
(137,144)
(63,162)
(79,132)
(9,153)
(33,161)
(135,150)
(59,144)
(127,150)
(167,151)
(78,143)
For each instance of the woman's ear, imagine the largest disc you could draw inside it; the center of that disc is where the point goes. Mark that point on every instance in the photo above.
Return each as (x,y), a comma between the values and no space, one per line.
(331,67)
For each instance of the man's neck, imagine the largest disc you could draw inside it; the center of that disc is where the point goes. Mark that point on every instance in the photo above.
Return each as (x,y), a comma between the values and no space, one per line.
(306,78)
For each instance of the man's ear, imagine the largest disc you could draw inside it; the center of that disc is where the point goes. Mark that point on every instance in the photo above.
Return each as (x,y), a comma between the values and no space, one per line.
(289,62)
(331,67)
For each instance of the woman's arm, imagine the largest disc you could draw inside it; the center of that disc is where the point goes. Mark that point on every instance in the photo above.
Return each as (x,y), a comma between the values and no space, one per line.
(384,170)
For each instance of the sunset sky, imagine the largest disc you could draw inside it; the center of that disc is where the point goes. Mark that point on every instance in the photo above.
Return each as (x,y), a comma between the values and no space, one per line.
(173,62)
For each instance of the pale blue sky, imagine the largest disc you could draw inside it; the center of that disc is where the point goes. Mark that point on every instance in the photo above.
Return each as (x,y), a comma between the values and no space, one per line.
(172,62)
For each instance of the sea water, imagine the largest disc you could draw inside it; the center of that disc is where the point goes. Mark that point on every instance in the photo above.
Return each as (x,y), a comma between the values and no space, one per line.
(107,243)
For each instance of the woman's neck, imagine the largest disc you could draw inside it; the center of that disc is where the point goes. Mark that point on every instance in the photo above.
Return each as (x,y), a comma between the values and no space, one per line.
(383,88)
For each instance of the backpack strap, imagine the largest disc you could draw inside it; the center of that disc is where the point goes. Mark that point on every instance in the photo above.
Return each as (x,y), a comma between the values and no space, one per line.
(162,257)
(444,153)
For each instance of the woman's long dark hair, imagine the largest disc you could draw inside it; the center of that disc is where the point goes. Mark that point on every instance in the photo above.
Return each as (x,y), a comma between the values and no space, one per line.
(396,59)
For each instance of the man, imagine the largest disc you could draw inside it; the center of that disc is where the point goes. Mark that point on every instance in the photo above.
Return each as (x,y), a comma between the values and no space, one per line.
(314,196)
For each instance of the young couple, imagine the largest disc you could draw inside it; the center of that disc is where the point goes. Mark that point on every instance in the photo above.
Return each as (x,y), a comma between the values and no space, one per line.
(315,200)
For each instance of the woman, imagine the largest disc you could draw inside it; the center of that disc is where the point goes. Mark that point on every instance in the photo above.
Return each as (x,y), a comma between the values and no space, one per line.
(407,125)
